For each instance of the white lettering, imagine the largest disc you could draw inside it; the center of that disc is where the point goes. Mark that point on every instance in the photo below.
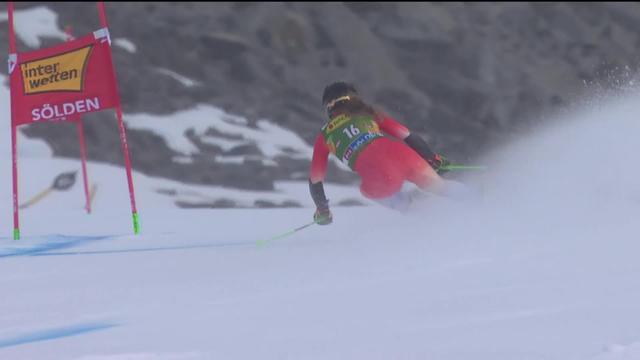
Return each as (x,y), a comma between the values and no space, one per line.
(68,108)
(35,114)
(93,105)
(57,113)
(80,106)
(49,112)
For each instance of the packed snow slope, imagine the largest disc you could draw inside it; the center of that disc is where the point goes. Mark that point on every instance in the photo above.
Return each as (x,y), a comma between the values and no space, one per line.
(545,267)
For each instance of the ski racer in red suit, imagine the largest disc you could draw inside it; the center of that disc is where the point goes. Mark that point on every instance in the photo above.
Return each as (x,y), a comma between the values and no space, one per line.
(378,148)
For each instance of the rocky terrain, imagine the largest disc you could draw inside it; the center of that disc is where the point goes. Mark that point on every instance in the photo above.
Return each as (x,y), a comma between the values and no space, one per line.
(467,76)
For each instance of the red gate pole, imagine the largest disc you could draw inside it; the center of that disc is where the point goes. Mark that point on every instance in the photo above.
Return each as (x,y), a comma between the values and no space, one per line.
(83,147)
(83,157)
(123,136)
(14,130)
(12,35)
(14,161)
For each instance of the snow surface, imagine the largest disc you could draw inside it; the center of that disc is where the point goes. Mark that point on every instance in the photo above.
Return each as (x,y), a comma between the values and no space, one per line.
(35,23)
(546,267)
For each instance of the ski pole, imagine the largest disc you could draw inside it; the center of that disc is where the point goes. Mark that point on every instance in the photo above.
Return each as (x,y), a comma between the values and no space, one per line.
(463,167)
(290,232)
(36,198)
(92,193)
(62,182)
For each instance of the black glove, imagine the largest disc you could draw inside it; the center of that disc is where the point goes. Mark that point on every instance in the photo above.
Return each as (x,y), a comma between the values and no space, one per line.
(323,216)
(439,163)
(64,181)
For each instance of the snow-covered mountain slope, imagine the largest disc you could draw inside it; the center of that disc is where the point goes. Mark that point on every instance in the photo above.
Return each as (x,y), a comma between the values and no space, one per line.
(544,268)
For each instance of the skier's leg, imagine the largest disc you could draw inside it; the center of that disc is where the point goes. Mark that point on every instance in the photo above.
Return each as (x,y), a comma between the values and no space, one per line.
(423,175)
(378,170)
(383,185)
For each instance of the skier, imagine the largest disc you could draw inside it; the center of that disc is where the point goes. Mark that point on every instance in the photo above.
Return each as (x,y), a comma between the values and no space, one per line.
(378,148)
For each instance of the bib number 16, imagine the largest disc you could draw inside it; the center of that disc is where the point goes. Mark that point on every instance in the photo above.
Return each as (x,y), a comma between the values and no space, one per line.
(351,131)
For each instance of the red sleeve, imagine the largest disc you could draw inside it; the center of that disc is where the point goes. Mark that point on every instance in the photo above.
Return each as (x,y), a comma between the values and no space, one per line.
(392,127)
(319,161)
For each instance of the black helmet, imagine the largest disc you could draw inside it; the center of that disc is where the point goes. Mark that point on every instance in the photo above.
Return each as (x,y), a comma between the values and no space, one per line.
(336,91)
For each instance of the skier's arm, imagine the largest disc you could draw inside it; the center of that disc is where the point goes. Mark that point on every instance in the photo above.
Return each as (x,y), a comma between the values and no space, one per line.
(390,126)
(396,129)
(317,173)
(319,161)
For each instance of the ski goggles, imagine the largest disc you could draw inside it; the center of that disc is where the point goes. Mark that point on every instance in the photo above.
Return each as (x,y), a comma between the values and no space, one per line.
(333,102)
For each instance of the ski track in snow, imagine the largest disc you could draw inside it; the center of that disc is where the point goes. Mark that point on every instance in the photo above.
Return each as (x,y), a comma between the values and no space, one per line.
(48,244)
(149,249)
(52,334)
